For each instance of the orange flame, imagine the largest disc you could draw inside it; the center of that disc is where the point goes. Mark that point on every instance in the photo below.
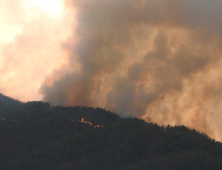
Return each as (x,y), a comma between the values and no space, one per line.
(91,124)
(11,120)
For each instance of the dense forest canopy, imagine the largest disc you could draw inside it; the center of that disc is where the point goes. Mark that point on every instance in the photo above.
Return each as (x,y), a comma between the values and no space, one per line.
(36,136)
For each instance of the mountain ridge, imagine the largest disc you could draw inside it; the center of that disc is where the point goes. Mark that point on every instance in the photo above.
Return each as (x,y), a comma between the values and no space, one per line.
(35,135)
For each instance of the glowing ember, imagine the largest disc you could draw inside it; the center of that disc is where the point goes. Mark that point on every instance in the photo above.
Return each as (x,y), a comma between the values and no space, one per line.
(83,121)
(11,120)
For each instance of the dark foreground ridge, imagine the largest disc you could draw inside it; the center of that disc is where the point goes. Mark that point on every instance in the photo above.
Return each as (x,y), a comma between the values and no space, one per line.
(36,136)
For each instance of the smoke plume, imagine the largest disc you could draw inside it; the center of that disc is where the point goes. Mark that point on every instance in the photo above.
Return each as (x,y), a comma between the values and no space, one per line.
(30,46)
(153,59)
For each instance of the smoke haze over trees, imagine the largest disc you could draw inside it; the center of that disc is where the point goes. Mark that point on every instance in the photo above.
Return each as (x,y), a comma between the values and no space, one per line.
(152,59)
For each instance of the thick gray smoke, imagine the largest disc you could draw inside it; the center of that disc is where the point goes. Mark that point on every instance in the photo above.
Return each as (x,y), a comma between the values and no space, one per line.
(159,60)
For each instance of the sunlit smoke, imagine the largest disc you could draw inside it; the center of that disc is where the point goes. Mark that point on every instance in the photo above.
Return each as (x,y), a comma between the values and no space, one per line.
(31,33)
(153,59)
(53,7)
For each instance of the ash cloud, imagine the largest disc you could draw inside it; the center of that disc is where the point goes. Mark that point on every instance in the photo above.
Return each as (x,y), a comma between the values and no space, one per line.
(153,59)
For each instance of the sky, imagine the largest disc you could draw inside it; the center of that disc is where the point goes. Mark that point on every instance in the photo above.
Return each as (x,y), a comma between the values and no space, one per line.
(31,36)
(152,59)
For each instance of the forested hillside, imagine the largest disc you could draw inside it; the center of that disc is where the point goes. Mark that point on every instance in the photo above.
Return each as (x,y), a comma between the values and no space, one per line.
(36,136)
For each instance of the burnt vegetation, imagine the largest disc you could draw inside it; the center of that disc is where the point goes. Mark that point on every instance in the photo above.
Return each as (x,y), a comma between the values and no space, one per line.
(36,136)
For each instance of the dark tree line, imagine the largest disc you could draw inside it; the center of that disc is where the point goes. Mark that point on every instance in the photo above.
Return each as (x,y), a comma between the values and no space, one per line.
(36,136)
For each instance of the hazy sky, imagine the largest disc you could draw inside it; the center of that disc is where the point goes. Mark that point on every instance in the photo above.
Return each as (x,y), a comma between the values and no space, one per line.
(159,60)
(31,36)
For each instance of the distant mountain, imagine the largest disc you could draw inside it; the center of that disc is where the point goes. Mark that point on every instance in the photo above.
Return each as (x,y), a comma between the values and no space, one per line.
(7,100)
(36,136)
(8,104)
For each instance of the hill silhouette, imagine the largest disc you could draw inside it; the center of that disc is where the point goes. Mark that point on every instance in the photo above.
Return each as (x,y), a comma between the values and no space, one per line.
(37,136)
